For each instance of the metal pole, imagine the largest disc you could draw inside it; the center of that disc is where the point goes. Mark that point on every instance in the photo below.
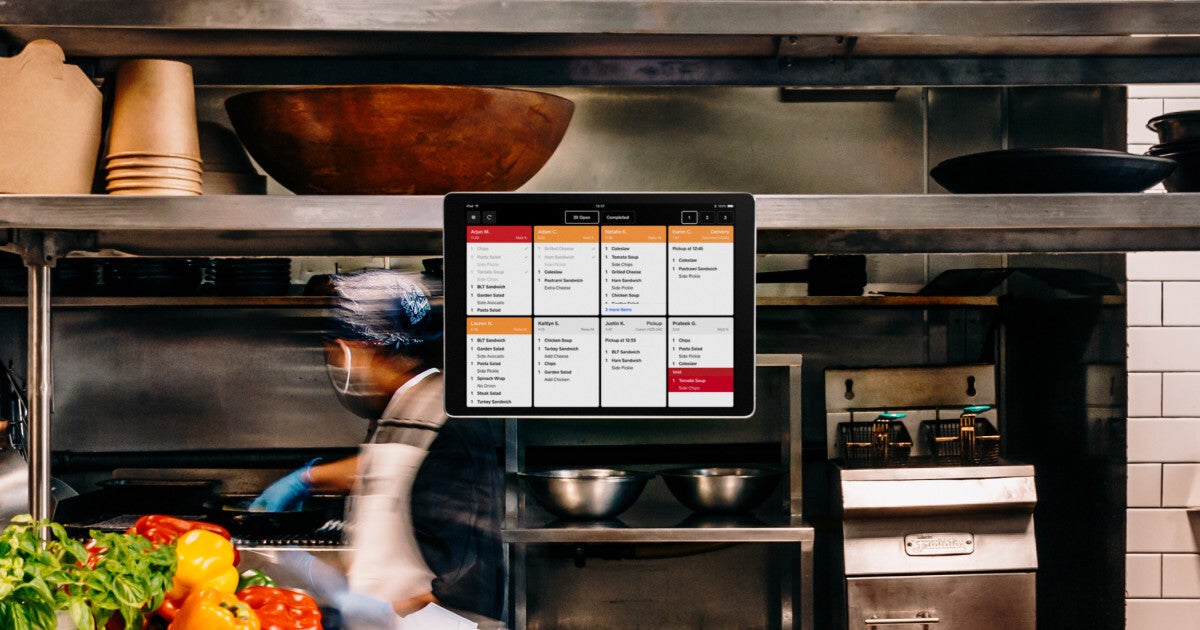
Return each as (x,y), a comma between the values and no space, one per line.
(39,389)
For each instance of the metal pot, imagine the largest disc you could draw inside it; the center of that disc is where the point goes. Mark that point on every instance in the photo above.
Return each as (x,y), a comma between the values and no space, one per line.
(1186,177)
(1176,126)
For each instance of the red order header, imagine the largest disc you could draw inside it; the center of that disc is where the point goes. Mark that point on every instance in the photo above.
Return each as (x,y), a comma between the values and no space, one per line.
(700,380)
(499,234)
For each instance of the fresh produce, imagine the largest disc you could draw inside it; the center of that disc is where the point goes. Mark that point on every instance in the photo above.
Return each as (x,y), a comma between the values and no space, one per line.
(210,609)
(205,561)
(116,575)
(281,609)
(162,529)
(127,576)
(30,574)
(254,577)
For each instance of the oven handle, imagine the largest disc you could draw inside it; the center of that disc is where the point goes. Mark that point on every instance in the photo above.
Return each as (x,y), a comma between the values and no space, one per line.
(921,617)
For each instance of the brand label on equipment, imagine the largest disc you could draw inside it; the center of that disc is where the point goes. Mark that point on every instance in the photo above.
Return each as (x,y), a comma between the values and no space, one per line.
(943,544)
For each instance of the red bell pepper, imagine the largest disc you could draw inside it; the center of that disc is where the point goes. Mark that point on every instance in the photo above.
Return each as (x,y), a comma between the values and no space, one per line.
(161,529)
(281,609)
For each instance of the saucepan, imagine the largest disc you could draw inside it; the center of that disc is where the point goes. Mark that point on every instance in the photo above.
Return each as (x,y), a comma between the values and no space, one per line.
(232,511)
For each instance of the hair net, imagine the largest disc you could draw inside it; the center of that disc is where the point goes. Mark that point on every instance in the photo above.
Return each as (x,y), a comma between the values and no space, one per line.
(398,310)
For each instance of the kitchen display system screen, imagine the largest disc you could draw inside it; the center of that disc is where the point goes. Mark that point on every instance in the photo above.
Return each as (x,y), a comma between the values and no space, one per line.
(599,305)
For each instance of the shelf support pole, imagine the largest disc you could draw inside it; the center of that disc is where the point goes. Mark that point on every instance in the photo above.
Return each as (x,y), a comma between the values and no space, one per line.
(40,252)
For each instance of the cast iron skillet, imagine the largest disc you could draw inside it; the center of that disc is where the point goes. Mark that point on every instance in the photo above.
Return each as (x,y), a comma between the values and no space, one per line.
(231,512)
(1051,171)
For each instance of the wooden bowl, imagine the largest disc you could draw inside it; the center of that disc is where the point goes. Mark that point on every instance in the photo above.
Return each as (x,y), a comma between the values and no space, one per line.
(399,139)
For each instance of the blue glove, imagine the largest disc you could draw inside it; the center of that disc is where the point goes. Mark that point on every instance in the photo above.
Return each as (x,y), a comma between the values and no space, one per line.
(363,612)
(287,494)
(302,570)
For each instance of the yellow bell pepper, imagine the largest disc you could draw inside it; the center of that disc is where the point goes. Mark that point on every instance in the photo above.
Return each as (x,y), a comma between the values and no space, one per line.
(208,609)
(205,560)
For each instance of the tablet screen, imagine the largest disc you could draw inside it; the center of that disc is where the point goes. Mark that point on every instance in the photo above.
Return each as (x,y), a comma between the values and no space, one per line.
(599,305)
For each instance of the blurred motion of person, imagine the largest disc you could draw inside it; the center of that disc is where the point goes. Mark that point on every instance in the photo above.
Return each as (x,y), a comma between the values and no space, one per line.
(426,493)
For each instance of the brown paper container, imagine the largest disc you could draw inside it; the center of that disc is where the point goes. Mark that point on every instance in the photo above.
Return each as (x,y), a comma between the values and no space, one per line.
(155,182)
(140,162)
(167,192)
(154,110)
(50,128)
(146,172)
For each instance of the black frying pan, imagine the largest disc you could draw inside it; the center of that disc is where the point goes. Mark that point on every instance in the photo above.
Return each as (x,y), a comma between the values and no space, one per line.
(1051,171)
(232,512)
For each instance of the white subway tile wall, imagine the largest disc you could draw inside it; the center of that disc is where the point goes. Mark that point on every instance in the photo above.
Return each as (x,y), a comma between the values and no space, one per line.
(1145,395)
(1165,530)
(1180,304)
(1143,575)
(1181,394)
(1145,485)
(1181,575)
(1161,614)
(1162,568)
(1144,303)
(1164,349)
(1163,266)
(1181,486)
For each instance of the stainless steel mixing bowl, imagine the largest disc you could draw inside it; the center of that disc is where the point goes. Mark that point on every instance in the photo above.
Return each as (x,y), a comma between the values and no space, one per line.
(725,490)
(586,492)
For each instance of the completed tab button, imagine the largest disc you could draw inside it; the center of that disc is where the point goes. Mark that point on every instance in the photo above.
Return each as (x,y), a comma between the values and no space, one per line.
(589,217)
(615,216)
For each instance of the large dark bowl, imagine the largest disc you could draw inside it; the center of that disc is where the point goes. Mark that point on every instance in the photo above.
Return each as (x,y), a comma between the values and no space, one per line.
(399,139)
(721,489)
(1015,171)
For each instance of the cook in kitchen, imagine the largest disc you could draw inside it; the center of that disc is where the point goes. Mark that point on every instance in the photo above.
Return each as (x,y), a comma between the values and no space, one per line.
(382,353)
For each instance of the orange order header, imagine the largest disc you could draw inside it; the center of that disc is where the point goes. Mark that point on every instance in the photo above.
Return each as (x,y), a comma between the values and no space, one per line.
(566,234)
(499,326)
(701,234)
(633,234)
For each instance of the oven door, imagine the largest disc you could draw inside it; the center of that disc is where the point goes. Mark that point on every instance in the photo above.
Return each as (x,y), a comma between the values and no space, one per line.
(971,601)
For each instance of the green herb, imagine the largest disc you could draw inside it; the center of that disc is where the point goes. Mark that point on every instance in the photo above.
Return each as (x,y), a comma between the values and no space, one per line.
(254,577)
(128,578)
(32,572)
(115,574)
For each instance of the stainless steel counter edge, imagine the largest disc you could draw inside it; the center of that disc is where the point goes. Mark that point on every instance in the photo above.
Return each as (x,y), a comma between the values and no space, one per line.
(774,212)
(951,472)
(801,532)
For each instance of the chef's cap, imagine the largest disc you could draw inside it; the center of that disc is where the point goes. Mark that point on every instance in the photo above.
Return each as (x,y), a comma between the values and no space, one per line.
(398,310)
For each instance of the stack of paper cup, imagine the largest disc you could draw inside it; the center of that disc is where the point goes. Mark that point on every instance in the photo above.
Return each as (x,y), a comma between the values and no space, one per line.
(153,146)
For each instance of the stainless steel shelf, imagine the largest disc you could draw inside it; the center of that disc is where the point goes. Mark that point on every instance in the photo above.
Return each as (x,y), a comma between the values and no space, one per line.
(665,526)
(626,42)
(220,19)
(374,225)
